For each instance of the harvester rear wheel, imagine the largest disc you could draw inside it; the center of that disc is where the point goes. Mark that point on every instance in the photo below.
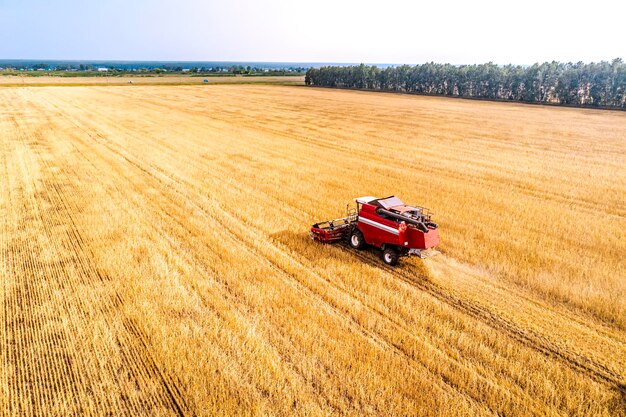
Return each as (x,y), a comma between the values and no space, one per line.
(356,239)
(390,256)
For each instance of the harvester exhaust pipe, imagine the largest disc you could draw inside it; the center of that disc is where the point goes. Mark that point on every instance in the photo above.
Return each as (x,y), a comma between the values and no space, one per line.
(421,226)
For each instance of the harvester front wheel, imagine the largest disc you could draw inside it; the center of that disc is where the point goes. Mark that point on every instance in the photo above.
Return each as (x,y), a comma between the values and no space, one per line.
(390,256)
(356,239)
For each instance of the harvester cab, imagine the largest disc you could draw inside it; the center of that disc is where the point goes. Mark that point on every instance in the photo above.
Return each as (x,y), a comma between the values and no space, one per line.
(386,223)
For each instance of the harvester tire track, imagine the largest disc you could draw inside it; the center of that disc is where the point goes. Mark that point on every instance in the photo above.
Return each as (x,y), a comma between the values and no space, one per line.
(526,337)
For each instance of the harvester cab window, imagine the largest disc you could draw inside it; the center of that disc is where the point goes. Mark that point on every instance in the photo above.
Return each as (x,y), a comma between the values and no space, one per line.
(384,216)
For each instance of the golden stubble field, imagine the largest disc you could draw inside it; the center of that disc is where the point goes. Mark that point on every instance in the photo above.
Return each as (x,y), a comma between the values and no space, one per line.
(154,255)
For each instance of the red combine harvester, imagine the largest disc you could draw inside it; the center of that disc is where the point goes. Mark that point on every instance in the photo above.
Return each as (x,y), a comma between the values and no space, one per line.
(386,223)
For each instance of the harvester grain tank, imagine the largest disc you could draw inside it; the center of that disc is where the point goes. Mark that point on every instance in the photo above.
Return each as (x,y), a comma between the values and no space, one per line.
(386,223)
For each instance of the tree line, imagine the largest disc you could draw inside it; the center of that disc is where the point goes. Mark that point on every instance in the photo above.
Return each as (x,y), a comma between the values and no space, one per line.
(601,84)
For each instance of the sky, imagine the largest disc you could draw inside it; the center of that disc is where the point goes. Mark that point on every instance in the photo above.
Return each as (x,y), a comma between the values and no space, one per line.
(392,31)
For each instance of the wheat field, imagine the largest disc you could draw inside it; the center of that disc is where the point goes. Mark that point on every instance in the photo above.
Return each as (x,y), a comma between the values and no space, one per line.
(155,261)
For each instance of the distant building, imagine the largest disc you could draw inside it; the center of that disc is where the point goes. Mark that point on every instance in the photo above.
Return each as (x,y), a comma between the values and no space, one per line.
(102,69)
(185,69)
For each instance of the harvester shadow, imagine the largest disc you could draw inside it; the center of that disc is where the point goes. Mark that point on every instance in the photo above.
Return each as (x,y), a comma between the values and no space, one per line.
(305,247)
(618,406)
(314,251)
